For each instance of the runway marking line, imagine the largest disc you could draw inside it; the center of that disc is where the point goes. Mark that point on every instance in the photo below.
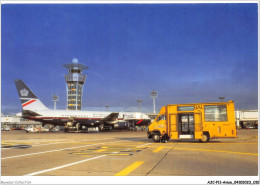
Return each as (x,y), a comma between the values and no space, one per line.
(101,150)
(110,150)
(205,150)
(144,145)
(130,168)
(159,149)
(209,143)
(39,144)
(57,150)
(104,153)
(63,166)
(179,143)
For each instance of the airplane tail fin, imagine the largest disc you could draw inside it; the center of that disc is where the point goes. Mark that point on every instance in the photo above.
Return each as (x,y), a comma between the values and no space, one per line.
(28,99)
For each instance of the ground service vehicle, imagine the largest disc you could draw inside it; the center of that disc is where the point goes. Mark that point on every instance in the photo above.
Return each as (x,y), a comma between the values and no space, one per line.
(33,128)
(6,128)
(194,121)
(45,129)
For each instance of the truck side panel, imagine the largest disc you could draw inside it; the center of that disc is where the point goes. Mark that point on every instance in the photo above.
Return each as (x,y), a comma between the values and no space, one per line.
(198,130)
(222,128)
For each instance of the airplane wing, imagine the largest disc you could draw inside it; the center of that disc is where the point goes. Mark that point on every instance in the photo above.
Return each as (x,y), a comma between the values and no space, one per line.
(111,117)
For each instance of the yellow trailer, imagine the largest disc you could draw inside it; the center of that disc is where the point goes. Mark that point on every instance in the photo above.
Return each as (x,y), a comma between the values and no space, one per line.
(200,121)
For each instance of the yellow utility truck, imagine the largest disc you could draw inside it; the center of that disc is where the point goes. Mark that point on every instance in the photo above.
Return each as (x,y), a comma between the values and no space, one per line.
(199,121)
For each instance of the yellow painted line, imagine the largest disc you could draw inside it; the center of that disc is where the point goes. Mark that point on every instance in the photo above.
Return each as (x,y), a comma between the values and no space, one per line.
(216,151)
(130,168)
(159,148)
(101,150)
(168,145)
(210,143)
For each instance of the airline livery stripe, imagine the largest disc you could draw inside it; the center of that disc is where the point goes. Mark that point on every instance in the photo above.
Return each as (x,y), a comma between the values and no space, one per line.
(139,121)
(28,103)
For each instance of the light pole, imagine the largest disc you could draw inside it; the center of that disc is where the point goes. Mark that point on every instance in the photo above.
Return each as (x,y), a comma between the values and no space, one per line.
(55,98)
(221,99)
(139,104)
(154,94)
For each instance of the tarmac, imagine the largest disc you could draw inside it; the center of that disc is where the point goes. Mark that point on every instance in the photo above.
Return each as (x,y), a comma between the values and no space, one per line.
(125,153)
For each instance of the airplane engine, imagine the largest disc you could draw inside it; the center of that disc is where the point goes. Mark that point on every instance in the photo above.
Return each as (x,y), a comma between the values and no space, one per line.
(121,125)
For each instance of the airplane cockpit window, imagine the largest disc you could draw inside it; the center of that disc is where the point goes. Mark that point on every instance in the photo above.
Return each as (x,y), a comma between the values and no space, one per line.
(161,117)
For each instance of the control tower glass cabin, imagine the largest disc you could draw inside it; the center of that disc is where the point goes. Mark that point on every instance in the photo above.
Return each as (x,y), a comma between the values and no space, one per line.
(75,81)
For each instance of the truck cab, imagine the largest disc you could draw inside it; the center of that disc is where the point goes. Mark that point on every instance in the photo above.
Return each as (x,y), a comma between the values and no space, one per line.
(157,129)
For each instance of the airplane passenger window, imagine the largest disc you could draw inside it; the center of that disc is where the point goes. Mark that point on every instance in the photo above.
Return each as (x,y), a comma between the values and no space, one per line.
(215,113)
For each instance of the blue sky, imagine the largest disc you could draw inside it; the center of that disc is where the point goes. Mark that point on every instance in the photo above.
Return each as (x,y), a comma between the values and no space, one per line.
(187,52)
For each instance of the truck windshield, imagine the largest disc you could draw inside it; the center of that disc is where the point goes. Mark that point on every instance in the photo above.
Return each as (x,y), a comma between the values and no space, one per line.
(185,108)
(161,117)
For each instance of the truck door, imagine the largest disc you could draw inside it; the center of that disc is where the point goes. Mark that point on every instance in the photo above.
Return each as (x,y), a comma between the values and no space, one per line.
(173,127)
(198,131)
(186,124)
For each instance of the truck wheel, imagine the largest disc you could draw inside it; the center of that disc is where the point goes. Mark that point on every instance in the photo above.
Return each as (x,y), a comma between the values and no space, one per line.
(205,138)
(156,138)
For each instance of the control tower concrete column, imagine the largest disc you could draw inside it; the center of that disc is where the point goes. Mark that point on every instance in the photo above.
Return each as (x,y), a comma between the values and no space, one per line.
(75,81)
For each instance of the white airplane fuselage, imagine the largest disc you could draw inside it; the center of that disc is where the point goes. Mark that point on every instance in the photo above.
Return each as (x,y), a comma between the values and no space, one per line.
(87,118)
(34,109)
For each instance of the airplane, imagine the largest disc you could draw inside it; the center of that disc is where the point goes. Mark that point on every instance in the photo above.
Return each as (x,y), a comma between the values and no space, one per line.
(34,109)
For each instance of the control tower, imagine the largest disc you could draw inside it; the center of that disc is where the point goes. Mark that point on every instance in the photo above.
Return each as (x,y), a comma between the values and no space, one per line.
(75,81)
